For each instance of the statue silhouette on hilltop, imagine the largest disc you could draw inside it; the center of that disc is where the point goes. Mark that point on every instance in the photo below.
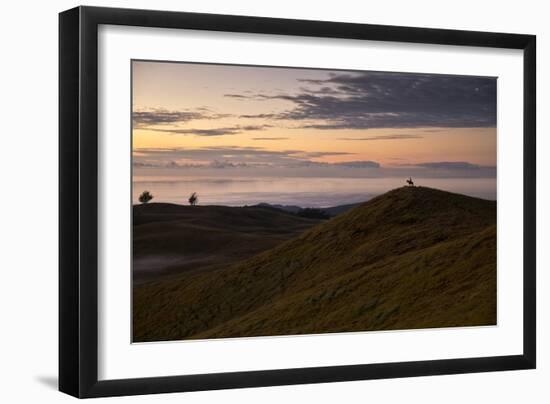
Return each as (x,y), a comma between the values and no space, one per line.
(410,182)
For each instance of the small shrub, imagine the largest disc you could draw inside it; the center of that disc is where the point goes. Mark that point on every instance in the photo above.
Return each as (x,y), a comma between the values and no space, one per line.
(145,197)
(193,199)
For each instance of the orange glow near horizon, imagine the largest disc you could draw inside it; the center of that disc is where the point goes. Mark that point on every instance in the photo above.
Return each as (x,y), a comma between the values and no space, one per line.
(225,99)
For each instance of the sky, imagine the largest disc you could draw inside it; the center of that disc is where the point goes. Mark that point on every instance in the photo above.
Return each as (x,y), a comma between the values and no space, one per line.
(235,122)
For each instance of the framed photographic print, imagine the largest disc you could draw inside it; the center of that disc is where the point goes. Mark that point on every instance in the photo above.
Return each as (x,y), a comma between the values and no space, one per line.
(251,201)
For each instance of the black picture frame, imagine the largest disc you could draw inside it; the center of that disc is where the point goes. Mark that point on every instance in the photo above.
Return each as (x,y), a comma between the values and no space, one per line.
(78,196)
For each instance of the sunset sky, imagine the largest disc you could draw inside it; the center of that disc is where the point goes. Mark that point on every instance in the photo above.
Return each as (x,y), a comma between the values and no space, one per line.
(201,120)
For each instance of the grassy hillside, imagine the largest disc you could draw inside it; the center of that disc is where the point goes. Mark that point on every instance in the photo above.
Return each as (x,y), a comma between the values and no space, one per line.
(411,258)
(170,239)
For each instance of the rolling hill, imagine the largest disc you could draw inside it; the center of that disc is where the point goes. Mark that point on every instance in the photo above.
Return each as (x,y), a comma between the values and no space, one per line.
(331,211)
(169,239)
(411,258)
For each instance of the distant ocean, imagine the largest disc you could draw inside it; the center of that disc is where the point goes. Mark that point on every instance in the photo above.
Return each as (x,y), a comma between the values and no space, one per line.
(300,191)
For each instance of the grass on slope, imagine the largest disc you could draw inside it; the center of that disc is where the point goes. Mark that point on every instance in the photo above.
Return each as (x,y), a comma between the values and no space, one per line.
(170,239)
(411,258)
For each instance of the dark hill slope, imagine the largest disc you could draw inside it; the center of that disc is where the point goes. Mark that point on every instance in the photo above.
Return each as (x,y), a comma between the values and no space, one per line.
(411,258)
(170,238)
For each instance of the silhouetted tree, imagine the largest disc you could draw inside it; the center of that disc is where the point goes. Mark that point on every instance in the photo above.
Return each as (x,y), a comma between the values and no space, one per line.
(145,197)
(193,199)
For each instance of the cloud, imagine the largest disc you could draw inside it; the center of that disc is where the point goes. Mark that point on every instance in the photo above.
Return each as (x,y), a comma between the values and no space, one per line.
(391,100)
(174,164)
(269,138)
(450,165)
(153,117)
(159,117)
(226,164)
(255,127)
(140,164)
(198,132)
(211,132)
(317,154)
(247,95)
(359,164)
(447,169)
(226,157)
(163,164)
(456,169)
(346,164)
(384,137)
(262,116)
(256,161)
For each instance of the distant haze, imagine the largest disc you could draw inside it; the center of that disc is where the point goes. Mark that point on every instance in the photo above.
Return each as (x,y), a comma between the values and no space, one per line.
(240,135)
(304,192)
